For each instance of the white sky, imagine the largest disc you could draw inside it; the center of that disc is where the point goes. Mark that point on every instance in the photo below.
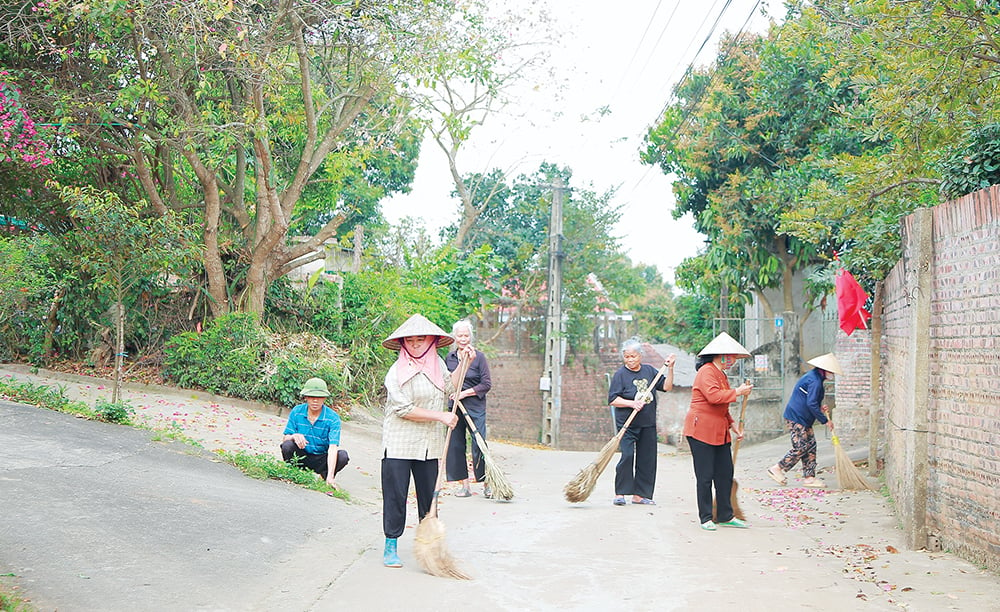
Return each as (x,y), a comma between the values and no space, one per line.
(627,56)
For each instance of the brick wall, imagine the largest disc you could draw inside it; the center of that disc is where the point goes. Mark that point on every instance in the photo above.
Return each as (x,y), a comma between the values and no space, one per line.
(515,403)
(963,358)
(853,399)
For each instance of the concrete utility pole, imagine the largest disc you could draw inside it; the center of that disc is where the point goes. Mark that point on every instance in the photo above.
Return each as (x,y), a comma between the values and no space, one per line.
(551,381)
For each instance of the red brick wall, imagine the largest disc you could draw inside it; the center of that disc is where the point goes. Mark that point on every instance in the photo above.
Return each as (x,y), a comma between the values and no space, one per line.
(963,415)
(853,398)
(515,403)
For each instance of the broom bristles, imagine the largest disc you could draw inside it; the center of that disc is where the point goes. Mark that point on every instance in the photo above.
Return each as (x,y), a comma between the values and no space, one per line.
(848,475)
(580,488)
(496,480)
(431,552)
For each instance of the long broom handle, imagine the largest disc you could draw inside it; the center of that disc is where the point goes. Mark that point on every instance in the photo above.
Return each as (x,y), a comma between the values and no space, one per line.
(743,411)
(472,425)
(463,368)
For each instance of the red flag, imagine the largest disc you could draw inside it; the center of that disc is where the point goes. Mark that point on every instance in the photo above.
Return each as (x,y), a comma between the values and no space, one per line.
(851,300)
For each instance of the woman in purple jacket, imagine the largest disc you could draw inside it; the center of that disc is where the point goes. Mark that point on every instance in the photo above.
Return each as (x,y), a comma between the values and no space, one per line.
(473,395)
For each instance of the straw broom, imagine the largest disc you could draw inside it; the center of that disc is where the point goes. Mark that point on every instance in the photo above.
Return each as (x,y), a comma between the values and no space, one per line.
(495,478)
(737,511)
(582,485)
(848,475)
(429,546)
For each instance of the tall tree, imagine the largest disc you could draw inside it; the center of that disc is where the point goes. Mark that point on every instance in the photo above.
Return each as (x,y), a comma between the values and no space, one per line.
(596,272)
(228,111)
(746,137)
(928,74)
(479,79)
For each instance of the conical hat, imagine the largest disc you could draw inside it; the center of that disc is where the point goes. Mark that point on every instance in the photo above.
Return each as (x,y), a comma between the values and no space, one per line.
(826,362)
(724,344)
(417,325)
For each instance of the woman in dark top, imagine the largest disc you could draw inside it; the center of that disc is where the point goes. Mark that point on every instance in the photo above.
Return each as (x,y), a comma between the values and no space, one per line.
(473,396)
(635,473)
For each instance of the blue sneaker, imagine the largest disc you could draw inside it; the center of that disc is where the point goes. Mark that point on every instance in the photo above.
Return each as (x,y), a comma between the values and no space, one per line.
(389,557)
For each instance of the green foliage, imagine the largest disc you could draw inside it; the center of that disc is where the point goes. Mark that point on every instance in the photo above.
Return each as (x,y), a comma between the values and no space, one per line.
(596,273)
(265,467)
(43,396)
(265,116)
(691,326)
(26,290)
(114,412)
(224,358)
(972,165)
(236,355)
(11,601)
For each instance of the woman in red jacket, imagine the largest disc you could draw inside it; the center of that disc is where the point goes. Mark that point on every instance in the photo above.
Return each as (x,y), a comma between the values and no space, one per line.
(709,429)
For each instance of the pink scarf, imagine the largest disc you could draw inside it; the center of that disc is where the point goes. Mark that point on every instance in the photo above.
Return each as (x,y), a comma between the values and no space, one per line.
(408,365)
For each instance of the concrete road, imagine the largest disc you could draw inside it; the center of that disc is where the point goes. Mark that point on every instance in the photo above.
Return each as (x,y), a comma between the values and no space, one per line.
(101,517)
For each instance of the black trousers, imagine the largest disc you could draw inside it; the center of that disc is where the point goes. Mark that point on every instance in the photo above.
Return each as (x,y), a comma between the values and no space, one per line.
(396,484)
(713,465)
(458,467)
(317,463)
(635,473)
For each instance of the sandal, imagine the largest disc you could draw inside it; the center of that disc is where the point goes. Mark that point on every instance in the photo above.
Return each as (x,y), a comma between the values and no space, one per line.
(778,477)
(814,483)
(619,501)
(463,492)
(644,501)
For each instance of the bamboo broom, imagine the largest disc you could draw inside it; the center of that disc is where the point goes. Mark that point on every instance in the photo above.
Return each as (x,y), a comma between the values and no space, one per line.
(737,511)
(495,478)
(848,474)
(734,502)
(429,546)
(582,485)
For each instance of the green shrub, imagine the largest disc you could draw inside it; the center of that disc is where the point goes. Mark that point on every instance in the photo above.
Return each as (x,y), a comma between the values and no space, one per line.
(238,356)
(224,358)
(112,412)
(26,291)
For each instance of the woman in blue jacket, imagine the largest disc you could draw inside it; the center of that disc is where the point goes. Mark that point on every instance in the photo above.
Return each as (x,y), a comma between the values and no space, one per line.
(804,408)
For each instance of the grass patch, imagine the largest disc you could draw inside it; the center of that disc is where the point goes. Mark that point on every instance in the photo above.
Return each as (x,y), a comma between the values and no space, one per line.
(266,467)
(174,433)
(44,396)
(10,600)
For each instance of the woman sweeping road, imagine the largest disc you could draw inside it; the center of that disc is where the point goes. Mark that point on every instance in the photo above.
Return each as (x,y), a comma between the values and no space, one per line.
(473,397)
(709,428)
(635,474)
(416,405)
(804,408)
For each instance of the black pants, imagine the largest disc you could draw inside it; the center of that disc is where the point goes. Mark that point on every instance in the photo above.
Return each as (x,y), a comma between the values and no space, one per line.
(396,484)
(713,465)
(317,463)
(458,467)
(635,473)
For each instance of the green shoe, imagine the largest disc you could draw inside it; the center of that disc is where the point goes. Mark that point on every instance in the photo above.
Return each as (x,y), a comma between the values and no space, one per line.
(734,522)
(708,526)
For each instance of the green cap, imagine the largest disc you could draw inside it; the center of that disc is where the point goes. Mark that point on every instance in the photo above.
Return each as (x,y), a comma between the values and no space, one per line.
(315,387)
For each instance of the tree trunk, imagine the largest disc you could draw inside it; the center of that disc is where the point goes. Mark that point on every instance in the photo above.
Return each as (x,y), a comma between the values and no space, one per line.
(119,348)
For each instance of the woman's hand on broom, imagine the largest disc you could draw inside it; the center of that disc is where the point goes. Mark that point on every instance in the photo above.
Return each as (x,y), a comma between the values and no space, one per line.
(448,418)
(829,422)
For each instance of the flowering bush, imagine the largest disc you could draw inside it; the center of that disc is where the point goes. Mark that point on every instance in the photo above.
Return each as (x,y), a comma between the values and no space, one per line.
(18,136)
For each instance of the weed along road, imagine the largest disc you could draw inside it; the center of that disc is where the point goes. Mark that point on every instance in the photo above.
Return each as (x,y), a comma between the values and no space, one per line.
(105,517)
